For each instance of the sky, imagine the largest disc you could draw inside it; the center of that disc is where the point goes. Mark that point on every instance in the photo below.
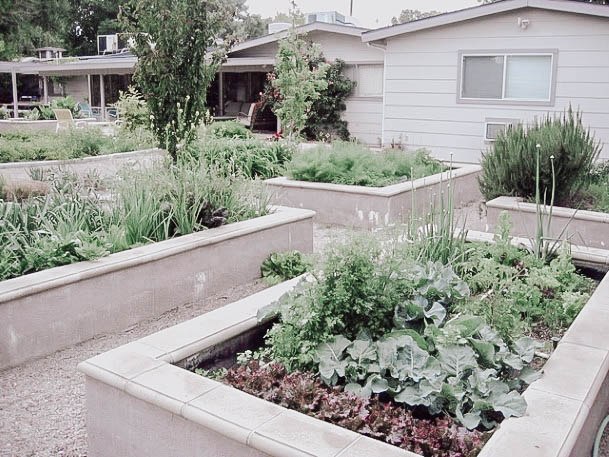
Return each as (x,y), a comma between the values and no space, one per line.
(370,13)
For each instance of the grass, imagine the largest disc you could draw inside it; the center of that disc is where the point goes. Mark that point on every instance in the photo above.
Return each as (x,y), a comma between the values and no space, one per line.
(353,164)
(26,146)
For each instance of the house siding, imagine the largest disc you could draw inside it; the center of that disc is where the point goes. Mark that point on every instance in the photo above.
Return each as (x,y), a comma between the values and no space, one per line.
(363,114)
(421,79)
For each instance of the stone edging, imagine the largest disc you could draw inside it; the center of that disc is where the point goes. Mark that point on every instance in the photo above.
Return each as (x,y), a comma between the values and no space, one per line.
(45,311)
(565,406)
(582,227)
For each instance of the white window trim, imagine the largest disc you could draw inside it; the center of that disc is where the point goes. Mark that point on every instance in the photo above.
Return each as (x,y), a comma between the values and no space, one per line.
(553,53)
(356,78)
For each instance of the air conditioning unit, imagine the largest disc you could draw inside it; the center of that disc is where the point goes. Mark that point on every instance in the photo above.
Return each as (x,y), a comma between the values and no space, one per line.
(107,44)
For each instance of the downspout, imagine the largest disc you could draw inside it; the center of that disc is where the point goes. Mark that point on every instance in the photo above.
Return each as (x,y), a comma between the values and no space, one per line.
(382,47)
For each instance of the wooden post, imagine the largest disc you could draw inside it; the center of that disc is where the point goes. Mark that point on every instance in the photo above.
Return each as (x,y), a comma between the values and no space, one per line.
(89,90)
(221,92)
(45,90)
(102,92)
(15,99)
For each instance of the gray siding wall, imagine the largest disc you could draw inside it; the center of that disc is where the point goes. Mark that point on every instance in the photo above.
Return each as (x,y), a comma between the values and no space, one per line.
(421,79)
(364,114)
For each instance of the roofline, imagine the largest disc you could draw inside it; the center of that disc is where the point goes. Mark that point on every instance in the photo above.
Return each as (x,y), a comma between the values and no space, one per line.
(312,27)
(567,6)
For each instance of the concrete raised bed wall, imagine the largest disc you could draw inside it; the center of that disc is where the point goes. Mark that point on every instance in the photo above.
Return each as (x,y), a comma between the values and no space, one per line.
(139,403)
(106,166)
(11,125)
(370,207)
(49,310)
(587,228)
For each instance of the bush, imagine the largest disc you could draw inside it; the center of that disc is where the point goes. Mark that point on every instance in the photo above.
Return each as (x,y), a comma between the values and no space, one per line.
(509,167)
(248,158)
(231,130)
(132,110)
(350,163)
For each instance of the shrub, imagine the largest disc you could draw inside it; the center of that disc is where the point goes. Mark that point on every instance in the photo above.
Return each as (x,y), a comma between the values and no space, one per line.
(249,158)
(350,163)
(598,192)
(324,121)
(231,130)
(132,109)
(509,167)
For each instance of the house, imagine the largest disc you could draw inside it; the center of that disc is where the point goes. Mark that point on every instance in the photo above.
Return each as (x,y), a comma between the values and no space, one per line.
(243,75)
(452,81)
(239,82)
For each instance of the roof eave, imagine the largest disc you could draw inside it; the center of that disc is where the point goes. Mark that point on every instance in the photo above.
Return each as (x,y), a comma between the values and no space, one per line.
(482,11)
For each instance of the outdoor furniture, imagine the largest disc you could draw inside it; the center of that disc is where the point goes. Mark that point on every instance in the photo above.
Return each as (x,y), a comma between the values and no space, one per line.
(246,119)
(85,109)
(66,121)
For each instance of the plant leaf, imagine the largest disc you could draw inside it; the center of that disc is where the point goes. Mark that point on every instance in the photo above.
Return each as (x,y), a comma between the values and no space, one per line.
(457,359)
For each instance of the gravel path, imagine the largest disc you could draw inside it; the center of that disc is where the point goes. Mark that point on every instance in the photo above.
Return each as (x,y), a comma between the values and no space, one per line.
(42,402)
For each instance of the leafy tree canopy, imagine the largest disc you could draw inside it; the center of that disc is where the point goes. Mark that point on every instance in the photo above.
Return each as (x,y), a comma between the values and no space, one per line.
(412,15)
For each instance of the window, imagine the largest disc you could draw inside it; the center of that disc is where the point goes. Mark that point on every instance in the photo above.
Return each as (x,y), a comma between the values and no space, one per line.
(369,79)
(508,77)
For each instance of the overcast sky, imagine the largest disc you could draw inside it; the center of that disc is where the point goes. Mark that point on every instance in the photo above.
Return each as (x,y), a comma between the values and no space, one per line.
(370,13)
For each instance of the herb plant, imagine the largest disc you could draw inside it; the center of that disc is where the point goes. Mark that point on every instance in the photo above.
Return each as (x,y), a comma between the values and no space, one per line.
(508,168)
(350,163)
(281,266)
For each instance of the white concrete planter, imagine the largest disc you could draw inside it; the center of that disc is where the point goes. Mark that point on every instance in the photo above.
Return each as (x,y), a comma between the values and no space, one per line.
(106,166)
(49,310)
(139,403)
(370,207)
(586,228)
(10,125)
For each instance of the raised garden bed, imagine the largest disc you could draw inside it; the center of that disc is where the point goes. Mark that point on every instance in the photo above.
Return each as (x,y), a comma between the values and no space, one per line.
(370,207)
(105,166)
(140,401)
(49,310)
(585,228)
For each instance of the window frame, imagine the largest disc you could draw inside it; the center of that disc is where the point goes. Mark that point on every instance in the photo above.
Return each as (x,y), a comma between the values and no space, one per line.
(357,94)
(552,53)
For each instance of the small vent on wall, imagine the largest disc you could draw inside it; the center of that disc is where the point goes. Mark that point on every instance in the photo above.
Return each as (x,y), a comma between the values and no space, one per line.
(493,127)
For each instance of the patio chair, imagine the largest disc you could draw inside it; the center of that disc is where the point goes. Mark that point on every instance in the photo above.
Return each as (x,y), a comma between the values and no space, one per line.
(246,119)
(66,121)
(85,109)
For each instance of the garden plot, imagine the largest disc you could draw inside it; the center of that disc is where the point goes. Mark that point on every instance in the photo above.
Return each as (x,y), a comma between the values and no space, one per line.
(351,186)
(142,390)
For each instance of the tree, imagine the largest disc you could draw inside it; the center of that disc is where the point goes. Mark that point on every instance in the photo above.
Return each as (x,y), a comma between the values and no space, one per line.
(298,83)
(180,45)
(89,18)
(412,15)
(28,24)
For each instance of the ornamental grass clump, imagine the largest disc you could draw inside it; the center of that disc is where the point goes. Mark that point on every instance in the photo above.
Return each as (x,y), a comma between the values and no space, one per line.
(249,158)
(71,223)
(509,167)
(354,164)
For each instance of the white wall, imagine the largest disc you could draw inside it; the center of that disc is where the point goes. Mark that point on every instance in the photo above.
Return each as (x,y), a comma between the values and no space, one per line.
(364,114)
(421,78)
